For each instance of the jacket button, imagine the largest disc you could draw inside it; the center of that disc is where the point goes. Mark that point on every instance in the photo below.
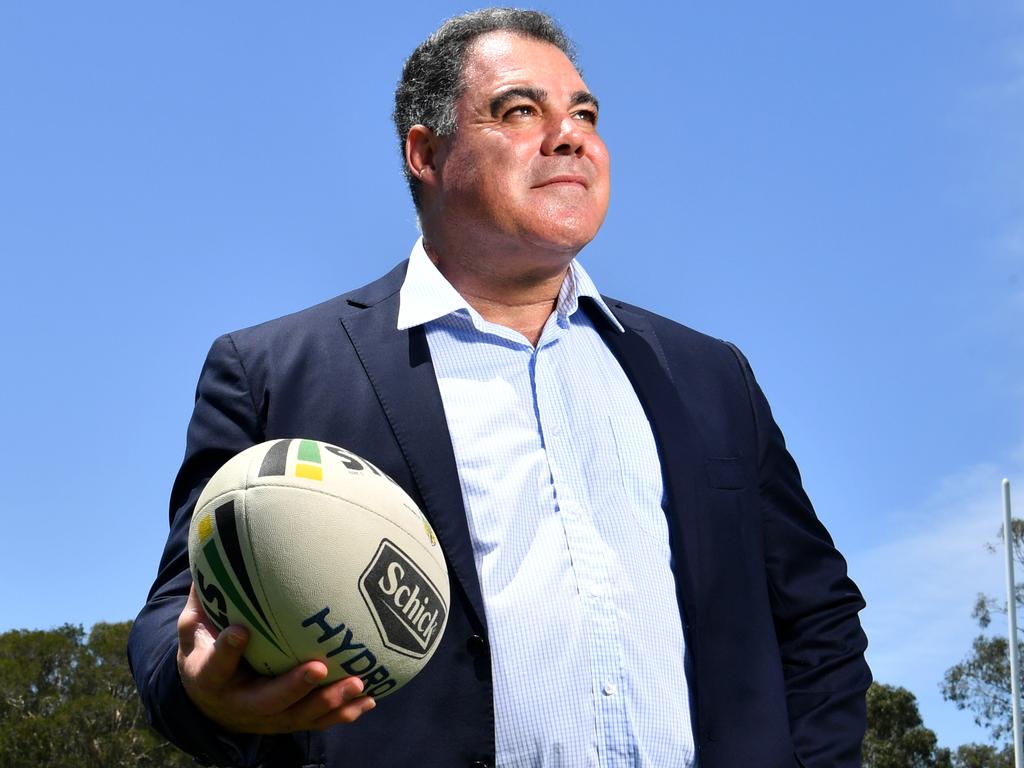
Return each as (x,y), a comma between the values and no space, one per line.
(476,646)
(478,763)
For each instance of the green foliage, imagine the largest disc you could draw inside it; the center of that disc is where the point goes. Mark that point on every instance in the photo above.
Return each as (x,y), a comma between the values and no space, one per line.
(983,756)
(981,682)
(896,735)
(69,701)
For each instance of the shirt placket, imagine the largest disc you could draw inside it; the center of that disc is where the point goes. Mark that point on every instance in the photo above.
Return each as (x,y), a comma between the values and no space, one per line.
(589,556)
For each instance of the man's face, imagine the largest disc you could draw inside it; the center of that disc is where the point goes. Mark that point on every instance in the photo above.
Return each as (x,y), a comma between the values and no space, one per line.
(526,163)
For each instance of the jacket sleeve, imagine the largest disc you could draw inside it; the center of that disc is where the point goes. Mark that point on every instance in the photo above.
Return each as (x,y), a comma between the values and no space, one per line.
(224,422)
(815,607)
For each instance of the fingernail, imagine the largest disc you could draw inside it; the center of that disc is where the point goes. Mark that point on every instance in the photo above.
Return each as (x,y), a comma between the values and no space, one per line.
(233,640)
(370,704)
(311,677)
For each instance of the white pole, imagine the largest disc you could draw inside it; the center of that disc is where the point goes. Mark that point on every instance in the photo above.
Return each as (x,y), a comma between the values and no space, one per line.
(1011,612)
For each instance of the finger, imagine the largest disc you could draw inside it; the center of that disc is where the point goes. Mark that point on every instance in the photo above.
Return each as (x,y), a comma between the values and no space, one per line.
(347,713)
(274,695)
(220,665)
(325,700)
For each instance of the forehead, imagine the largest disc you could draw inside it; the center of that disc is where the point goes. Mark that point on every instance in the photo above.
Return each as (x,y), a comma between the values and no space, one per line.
(500,59)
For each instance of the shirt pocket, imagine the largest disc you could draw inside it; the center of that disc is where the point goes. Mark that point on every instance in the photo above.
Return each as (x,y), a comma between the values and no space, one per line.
(639,474)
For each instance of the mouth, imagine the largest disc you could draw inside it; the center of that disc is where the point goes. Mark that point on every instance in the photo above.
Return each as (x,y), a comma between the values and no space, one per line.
(571,179)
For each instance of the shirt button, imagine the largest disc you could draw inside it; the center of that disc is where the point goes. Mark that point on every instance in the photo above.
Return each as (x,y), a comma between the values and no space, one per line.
(609,689)
(596,590)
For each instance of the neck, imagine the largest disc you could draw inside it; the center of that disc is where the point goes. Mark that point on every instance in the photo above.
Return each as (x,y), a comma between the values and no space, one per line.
(516,290)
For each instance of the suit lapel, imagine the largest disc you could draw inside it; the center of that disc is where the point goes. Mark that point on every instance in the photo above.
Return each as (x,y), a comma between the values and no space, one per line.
(398,365)
(678,441)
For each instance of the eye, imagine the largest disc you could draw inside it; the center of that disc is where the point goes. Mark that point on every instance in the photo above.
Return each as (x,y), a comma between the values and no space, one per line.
(521,110)
(587,115)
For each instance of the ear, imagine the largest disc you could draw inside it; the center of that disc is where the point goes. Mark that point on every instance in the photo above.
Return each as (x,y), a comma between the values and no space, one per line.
(421,145)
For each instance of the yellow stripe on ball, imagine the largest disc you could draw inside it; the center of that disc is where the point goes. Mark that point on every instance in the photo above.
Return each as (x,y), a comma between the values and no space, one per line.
(309,471)
(205,529)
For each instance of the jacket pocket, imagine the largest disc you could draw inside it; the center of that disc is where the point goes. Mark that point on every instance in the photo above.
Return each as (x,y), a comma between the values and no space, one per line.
(725,474)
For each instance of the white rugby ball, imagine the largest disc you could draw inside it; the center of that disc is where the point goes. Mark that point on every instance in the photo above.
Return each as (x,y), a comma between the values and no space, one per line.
(320,555)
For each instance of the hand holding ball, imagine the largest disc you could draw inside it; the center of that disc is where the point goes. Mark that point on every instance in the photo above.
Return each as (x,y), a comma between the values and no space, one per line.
(320,555)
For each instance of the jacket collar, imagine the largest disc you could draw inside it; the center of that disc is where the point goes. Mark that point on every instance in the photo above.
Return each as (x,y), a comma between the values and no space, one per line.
(398,366)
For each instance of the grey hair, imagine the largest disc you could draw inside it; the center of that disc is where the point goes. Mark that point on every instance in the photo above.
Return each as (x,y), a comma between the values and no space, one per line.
(432,76)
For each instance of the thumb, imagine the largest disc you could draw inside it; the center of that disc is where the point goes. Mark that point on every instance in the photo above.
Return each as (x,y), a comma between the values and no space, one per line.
(222,663)
(203,656)
(193,624)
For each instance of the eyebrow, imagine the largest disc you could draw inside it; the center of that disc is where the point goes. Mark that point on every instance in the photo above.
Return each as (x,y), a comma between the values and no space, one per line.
(584,97)
(538,95)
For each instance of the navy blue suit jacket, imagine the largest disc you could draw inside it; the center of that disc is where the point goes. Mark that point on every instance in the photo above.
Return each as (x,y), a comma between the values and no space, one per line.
(769,615)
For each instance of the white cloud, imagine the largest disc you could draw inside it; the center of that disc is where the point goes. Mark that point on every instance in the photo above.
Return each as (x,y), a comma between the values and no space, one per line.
(922,583)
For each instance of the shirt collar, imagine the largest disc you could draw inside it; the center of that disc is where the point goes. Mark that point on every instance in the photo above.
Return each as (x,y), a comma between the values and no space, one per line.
(426,295)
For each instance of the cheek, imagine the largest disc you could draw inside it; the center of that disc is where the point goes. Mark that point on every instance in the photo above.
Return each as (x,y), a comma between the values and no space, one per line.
(599,156)
(493,173)
(459,174)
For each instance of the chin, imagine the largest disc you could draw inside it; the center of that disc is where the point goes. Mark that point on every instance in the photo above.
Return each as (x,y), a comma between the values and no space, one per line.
(564,229)
(561,239)
(572,235)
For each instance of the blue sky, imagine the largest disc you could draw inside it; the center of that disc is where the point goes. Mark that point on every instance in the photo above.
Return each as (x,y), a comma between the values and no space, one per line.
(837,188)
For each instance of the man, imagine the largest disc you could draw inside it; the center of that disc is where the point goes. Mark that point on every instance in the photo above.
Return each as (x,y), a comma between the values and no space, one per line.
(637,576)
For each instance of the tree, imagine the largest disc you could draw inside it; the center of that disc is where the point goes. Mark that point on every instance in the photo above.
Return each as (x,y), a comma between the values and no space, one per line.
(983,756)
(896,736)
(981,682)
(68,701)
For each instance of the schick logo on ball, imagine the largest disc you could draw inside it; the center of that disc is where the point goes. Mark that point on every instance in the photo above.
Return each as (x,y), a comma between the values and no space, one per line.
(406,606)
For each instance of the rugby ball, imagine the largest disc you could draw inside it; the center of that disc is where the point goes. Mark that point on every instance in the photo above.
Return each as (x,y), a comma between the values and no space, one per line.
(320,555)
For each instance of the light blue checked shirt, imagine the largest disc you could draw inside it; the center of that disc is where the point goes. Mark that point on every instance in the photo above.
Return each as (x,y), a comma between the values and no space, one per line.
(563,493)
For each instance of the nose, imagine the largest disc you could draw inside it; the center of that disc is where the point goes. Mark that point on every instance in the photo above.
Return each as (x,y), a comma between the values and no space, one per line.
(565,137)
